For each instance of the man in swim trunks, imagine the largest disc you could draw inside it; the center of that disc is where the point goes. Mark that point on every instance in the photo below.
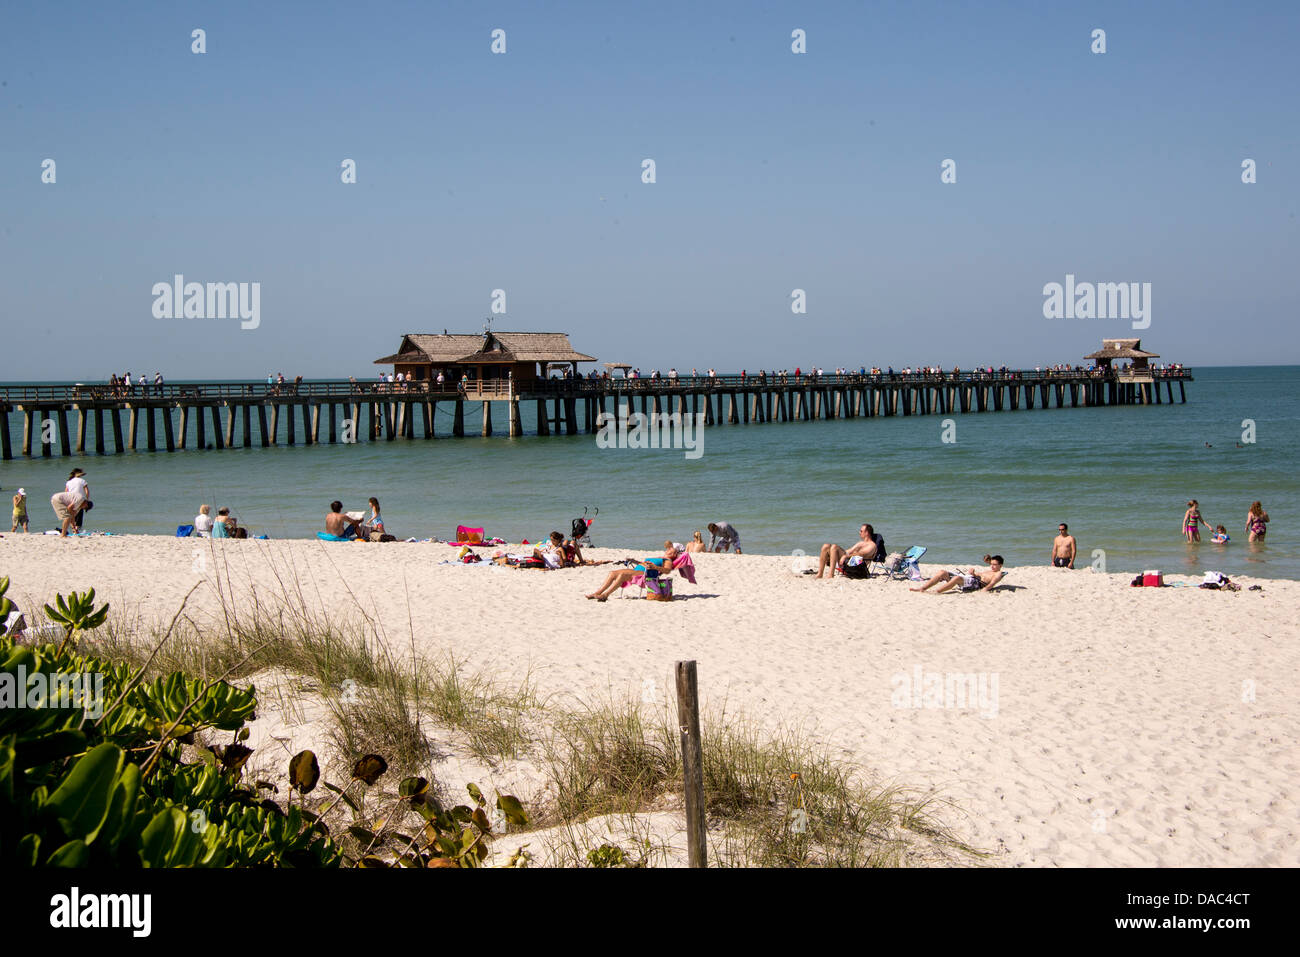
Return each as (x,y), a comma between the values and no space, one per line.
(1064,547)
(970,580)
(833,556)
(722,536)
(338,524)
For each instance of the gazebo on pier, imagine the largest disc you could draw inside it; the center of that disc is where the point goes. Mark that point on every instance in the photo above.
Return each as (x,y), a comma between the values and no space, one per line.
(1120,349)
(493,357)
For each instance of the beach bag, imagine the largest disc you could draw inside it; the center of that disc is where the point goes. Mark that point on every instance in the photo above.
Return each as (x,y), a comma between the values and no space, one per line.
(856,567)
(184,531)
(659,589)
(472,536)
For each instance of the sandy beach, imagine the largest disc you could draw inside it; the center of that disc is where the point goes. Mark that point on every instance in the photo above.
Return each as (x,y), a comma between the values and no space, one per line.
(1108,725)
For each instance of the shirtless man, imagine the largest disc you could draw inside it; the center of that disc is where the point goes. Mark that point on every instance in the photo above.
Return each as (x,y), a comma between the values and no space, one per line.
(336,523)
(971,580)
(832,556)
(1064,547)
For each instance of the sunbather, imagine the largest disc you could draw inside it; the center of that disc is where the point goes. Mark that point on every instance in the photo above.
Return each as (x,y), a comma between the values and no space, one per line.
(833,557)
(338,524)
(622,576)
(971,580)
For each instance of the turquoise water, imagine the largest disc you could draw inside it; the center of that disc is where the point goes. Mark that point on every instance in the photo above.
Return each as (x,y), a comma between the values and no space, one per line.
(1118,476)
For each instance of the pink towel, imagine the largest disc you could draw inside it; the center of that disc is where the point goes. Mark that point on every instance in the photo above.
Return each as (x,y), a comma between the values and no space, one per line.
(683,566)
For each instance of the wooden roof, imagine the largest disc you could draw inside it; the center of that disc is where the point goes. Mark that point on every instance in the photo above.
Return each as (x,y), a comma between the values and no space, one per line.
(1122,349)
(491,347)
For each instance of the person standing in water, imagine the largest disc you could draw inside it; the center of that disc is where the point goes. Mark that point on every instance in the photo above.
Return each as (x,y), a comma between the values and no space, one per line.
(1192,522)
(1257,522)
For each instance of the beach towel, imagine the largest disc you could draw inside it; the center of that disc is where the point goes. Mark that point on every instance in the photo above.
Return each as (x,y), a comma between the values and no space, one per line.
(471,536)
(327,537)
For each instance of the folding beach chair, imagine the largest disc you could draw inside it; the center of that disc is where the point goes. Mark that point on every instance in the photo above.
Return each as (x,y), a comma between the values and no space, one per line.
(908,567)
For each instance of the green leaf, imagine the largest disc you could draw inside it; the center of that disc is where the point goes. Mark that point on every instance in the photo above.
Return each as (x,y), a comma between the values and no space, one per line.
(514,811)
(72,854)
(81,801)
(475,793)
(412,788)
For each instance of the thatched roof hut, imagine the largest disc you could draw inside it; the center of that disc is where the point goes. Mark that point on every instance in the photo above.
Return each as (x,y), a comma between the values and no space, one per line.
(1130,349)
(492,355)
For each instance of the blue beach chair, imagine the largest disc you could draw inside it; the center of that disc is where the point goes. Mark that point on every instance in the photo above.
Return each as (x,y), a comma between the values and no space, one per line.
(904,569)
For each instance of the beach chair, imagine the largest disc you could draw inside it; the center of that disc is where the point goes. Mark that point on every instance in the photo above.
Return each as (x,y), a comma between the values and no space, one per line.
(905,568)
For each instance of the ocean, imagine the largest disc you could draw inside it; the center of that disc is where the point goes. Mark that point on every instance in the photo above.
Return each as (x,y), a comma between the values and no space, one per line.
(1119,476)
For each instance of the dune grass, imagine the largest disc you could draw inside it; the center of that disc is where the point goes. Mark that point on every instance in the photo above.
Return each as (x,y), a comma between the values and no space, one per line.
(773,798)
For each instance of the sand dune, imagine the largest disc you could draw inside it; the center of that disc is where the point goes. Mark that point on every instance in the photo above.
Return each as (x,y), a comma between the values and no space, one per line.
(1105,725)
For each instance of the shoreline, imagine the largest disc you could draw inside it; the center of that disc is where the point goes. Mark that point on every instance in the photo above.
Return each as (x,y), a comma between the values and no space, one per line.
(622,552)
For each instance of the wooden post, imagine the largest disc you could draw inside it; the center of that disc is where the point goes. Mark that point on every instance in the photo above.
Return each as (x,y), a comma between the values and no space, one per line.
(458,420)
(487,418)
(230,426)
(64,438)
(117,429)
(169,431)
(81,428)
(246,412)
(218,442)
(688,720)
(132,424)
(6,449)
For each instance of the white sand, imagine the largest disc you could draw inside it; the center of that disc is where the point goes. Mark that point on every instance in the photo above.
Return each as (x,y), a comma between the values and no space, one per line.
(1123,732)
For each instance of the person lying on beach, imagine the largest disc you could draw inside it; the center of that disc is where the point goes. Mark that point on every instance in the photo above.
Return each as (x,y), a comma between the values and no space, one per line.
(722,536)
(970,580)
(338,524)
(619,577)
(1064,547)
(833,556)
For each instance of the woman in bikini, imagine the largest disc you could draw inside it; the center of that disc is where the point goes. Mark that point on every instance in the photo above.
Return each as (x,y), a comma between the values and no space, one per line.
(1192,522)
(1257,522)
(620,577)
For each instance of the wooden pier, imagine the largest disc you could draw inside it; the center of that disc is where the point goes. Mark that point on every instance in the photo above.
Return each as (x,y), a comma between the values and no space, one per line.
(77,419)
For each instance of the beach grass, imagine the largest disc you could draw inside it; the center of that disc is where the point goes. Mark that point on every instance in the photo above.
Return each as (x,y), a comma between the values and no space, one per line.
(772,797)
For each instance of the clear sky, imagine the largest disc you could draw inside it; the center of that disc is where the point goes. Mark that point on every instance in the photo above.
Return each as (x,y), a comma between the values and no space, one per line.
(522,171)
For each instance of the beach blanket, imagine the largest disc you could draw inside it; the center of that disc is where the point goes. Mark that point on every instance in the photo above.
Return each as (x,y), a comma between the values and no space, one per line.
(327,537)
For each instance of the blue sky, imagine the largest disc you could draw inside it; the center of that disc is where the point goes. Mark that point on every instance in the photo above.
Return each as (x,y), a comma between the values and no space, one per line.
(522,172)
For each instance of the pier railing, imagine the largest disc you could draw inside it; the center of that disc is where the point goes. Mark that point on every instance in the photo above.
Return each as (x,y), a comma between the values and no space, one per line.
(502,388)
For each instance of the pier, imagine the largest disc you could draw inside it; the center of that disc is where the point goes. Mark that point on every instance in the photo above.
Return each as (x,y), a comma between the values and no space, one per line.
(70,420)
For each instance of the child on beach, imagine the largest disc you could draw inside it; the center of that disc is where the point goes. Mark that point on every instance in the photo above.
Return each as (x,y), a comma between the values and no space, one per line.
(1220,535)
(20,510)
